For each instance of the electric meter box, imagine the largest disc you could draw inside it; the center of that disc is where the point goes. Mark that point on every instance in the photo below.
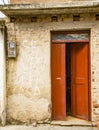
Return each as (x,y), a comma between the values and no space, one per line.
(12,49)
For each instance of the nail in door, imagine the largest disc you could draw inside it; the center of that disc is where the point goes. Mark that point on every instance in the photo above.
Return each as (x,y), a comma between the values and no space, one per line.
(79,80)
(58,66)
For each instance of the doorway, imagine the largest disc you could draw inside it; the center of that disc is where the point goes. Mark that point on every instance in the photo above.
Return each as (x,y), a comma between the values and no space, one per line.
(70,80)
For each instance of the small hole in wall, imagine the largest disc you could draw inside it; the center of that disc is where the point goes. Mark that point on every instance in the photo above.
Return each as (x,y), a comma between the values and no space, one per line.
(12,19)
(93,72)
(54,19)
(97,16)
(34,19)
(93,80)
(76,17)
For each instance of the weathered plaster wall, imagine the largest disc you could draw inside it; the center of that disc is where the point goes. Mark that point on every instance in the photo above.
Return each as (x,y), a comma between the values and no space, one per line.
(28,75)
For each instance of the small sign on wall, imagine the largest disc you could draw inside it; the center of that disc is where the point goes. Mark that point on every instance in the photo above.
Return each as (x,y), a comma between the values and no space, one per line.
(11,49)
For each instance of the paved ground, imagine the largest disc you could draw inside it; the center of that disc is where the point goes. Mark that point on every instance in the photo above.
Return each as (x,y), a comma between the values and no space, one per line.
(47,127)
(71,123)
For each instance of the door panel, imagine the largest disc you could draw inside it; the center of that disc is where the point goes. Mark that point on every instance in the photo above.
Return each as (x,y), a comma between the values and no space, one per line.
(58,75)
(79,80)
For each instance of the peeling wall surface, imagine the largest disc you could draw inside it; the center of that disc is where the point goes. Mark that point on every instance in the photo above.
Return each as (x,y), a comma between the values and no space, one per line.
(2,77)
(29,74)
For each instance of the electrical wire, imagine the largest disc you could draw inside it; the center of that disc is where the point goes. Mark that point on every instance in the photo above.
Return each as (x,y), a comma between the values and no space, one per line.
(8,1)
(3,2)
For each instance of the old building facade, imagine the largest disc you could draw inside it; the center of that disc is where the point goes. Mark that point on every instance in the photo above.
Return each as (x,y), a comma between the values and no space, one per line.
(52,61)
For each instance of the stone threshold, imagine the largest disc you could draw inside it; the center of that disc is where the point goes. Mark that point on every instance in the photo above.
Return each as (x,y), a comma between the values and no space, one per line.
(72,121)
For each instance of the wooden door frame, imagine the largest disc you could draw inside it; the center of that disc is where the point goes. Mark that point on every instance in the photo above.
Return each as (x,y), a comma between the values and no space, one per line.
(89,68)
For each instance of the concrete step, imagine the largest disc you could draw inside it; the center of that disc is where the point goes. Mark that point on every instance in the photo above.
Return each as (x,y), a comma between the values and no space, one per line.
(47,127)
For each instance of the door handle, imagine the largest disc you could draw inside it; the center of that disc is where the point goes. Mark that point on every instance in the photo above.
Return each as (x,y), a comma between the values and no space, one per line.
(58,78)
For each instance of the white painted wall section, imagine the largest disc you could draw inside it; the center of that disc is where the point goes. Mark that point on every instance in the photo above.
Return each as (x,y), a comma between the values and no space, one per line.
(2,78)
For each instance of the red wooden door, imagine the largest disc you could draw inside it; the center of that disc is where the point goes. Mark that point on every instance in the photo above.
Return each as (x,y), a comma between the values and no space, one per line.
(79,80)
(58,74)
